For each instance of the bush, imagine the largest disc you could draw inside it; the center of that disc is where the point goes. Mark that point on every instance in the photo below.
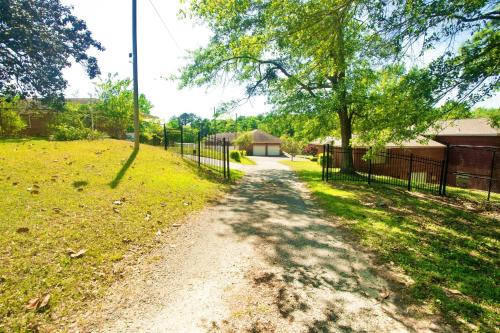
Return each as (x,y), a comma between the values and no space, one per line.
(314,159)
(10,123)
(322,160)
(65,132)
(311,150)
(235,155)
(243,153)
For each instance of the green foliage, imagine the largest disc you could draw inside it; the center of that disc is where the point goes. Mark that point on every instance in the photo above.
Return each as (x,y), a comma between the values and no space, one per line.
(10,121)
(151,132)
(492,114)
(244,140)
(235,155)
(292,146)
(39,40)
(322,160)
(319,59)
(116,105)
(66,132)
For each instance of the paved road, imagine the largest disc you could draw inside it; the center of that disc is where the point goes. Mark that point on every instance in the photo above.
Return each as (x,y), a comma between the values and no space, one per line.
(261,260)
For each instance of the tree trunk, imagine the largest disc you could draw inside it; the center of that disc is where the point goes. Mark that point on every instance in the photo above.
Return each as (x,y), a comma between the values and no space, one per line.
(347,165)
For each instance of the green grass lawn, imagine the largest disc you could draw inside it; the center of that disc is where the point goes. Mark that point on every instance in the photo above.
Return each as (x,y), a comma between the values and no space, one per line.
(448,247)
(58,198)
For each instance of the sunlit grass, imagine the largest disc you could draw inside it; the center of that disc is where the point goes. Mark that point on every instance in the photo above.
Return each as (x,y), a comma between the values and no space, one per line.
(450,252)
(94,196)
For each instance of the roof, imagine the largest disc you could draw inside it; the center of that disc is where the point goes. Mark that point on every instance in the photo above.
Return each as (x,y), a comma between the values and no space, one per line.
(465,127)
(420,142)
(259,136)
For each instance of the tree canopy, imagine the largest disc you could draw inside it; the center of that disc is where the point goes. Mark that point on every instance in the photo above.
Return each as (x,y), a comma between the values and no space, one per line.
(37,40)
(342,65)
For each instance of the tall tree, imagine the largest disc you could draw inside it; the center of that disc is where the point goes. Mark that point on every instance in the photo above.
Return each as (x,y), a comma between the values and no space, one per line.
(321,58)
(38,38)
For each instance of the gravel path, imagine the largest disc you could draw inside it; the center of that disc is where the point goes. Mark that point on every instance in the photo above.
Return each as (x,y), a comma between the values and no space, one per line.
(260,260)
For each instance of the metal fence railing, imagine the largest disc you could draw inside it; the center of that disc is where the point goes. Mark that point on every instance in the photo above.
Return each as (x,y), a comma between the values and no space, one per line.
(208,151)
(409,171)
(475,168)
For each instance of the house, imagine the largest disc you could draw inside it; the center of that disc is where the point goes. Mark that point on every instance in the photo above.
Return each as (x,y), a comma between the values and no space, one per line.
(471,147)
(473,153)
(262,143)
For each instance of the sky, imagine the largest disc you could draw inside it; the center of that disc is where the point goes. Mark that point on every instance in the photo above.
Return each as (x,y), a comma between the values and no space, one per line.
(160,55)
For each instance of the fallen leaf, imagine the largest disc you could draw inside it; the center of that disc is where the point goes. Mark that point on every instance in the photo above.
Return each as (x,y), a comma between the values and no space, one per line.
(15,183)
(116,210)
(163,204)
(22,230)
(158,233)
(187,203)
(117,202)
(148,216)
(80,189)
(57,210)
(126,241)
(123,199)
(38,302)
(176,225)
(78,254)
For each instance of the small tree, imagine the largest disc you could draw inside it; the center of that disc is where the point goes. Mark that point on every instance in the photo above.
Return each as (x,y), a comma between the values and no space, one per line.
(292,145)
(10,121)
(244,140)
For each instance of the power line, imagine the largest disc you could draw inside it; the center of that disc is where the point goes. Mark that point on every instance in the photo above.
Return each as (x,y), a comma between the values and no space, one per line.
(165,25)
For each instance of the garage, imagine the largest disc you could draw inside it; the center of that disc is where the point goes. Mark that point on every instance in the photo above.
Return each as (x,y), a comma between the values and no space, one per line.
(259,150)
(273,150)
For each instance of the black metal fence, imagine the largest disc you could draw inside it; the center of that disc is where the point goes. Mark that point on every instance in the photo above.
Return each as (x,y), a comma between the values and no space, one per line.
(473,167)
(204,150)
(409,171)
(463,166)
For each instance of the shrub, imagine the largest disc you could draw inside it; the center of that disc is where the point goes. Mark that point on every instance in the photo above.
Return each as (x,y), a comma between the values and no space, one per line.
(311,150)
(314,159)
(10,123)
(235,155)
(322,160)
(243,153)
(65,132)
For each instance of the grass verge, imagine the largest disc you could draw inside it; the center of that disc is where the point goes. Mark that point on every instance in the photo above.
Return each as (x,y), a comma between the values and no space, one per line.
(448,250)
(70,210)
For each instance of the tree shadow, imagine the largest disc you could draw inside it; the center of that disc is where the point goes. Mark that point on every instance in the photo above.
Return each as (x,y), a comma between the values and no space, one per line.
(116,181)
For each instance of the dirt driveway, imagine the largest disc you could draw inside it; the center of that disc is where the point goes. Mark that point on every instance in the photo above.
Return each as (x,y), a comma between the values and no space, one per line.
(261,260)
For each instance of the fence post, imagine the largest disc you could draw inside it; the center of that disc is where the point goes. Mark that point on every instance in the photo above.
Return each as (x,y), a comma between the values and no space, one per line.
(327,161)
(182,140)
(370,172)
(441,178)
(224,155)
(165,139)
(227,158)
(409,172)
(446,160)
(199,149)
(323,163)
(491,174)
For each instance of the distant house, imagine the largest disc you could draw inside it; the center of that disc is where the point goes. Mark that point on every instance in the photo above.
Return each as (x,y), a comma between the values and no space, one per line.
(262,143)
(470,132)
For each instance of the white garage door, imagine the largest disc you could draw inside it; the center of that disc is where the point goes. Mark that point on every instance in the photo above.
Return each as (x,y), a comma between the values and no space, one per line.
(273,150)
(259,150)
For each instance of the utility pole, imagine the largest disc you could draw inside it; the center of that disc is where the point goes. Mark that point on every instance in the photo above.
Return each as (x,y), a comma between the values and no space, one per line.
(136,84)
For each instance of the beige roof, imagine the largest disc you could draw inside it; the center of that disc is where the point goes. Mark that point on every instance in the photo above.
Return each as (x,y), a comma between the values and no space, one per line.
(465,127)
(421,142)
(259,136)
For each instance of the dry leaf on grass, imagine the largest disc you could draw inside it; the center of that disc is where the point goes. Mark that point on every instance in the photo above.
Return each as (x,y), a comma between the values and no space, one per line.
(57,210)
(116,210)
(38,302)
(76,255)
(22,230)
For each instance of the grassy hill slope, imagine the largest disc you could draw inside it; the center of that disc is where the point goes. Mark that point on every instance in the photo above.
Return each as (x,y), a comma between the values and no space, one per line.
(58,198)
